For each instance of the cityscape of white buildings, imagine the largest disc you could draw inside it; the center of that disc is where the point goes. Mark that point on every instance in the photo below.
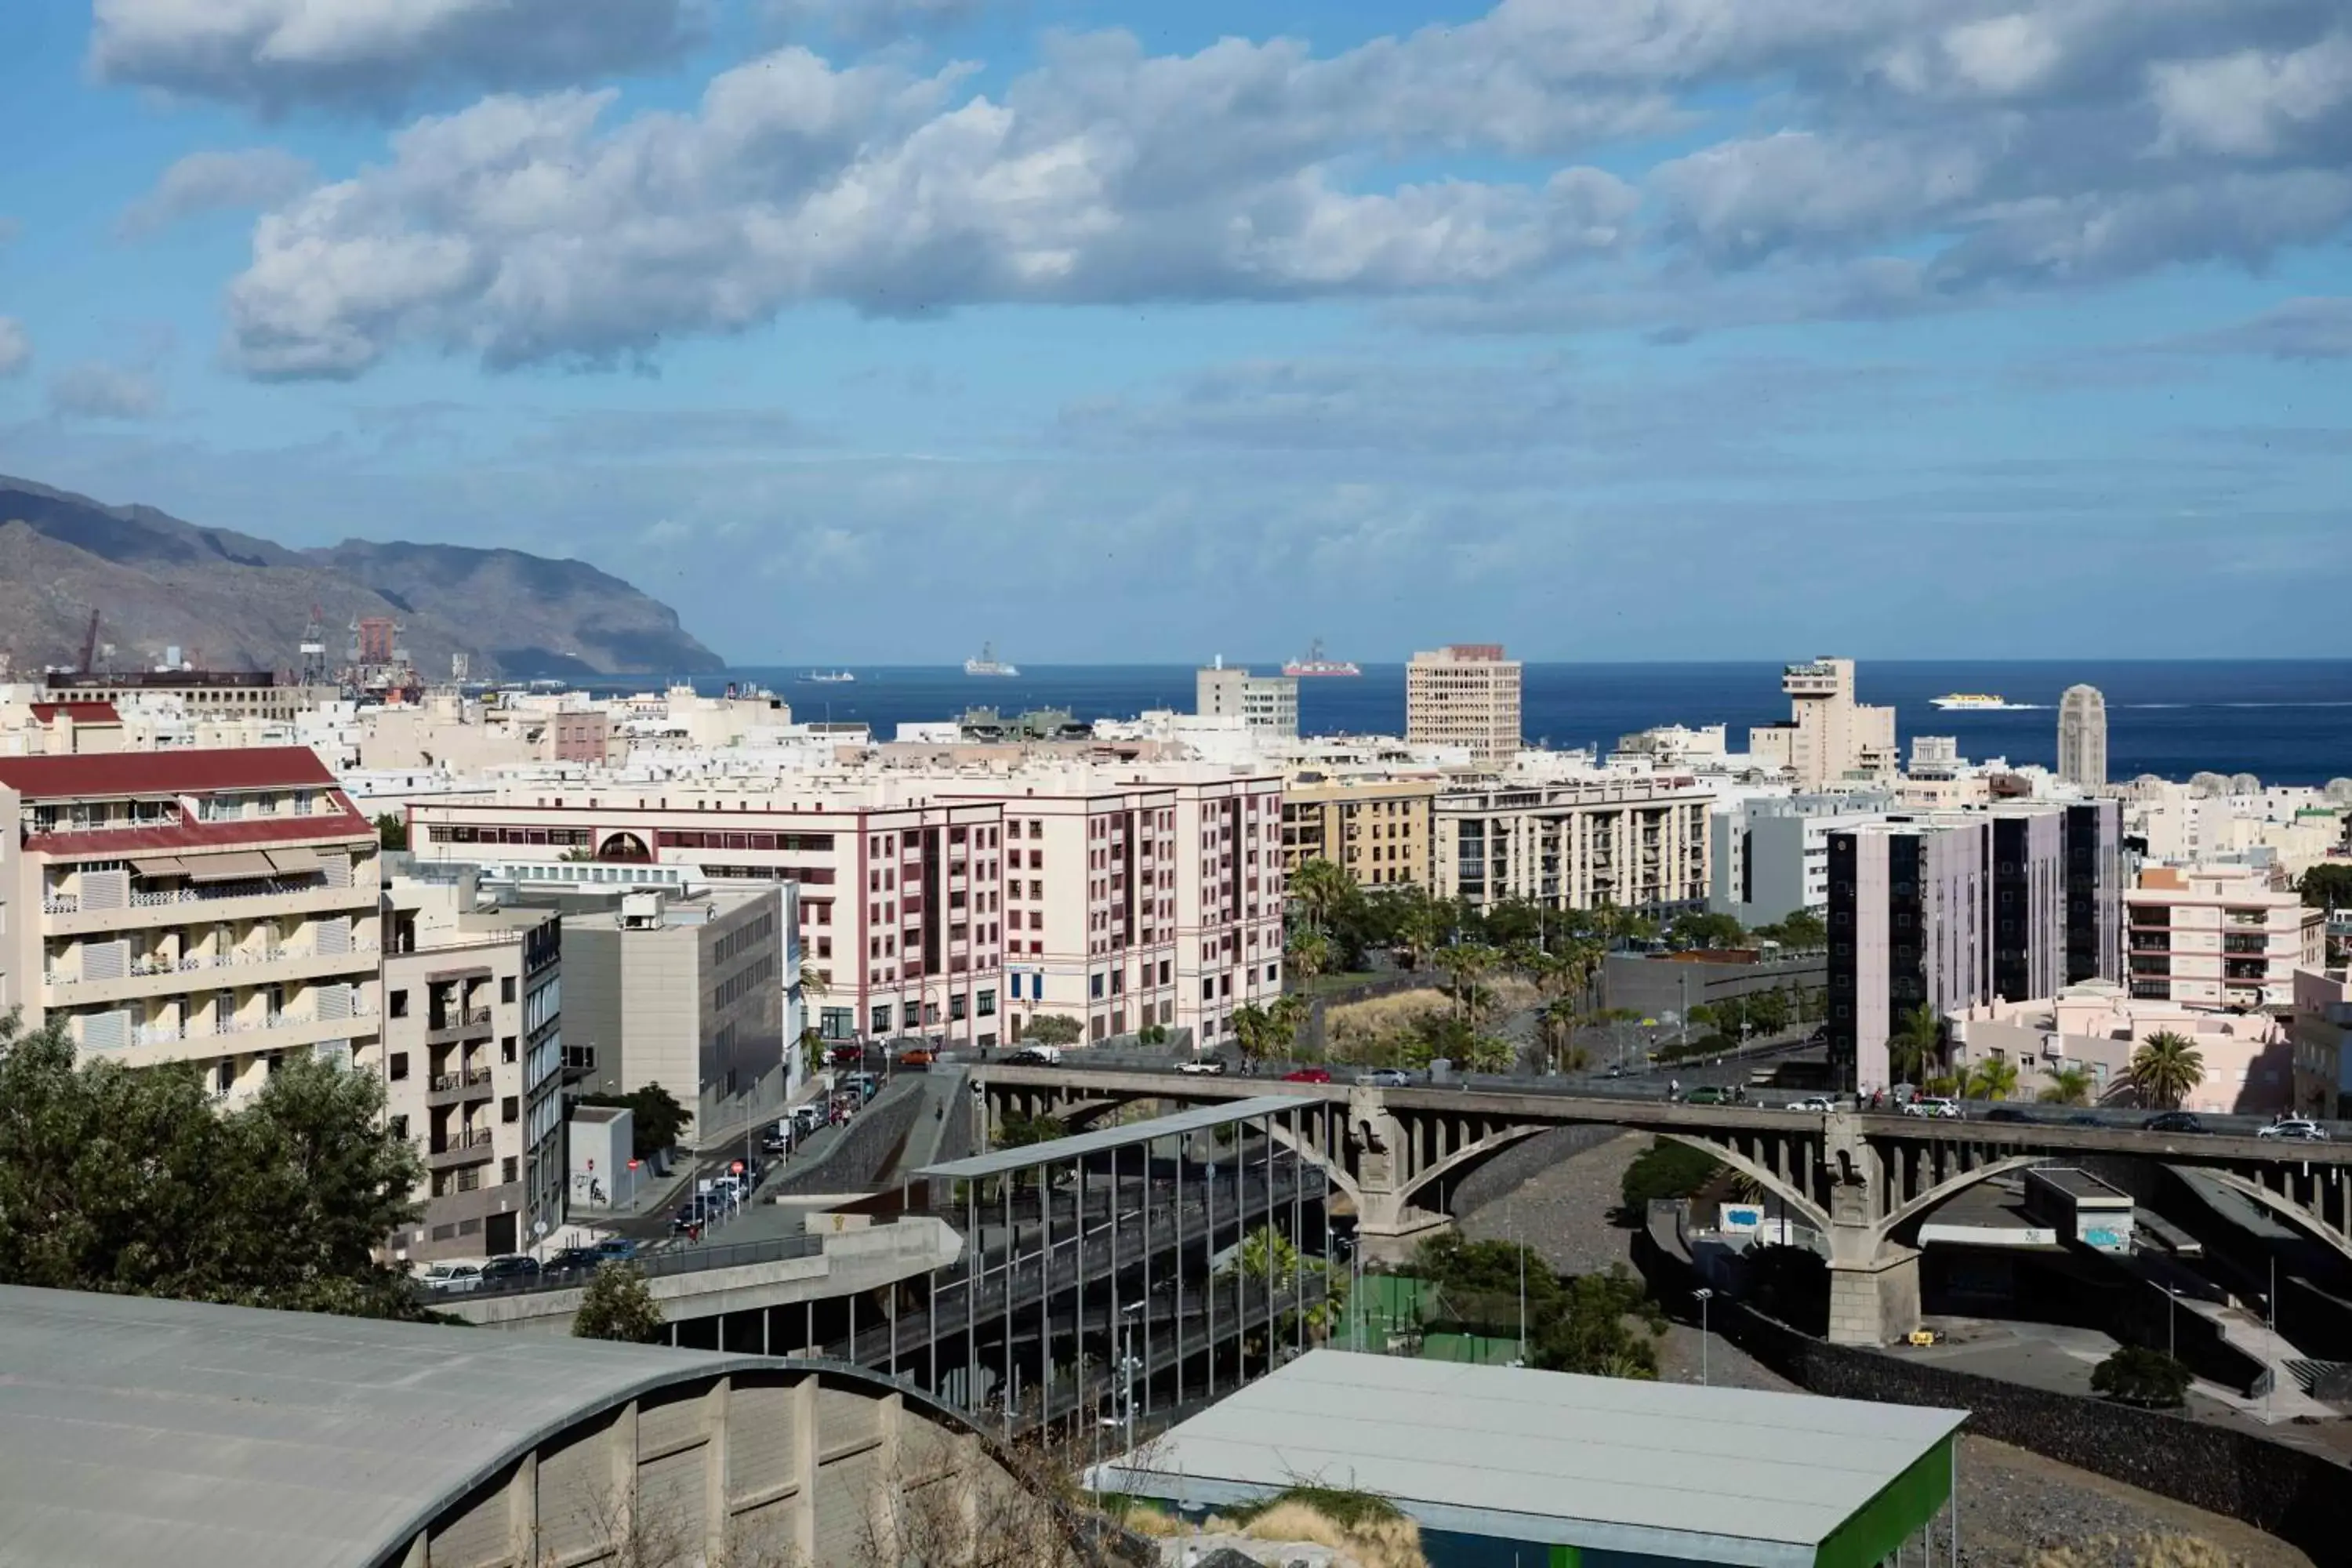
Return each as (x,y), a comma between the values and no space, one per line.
(195,875)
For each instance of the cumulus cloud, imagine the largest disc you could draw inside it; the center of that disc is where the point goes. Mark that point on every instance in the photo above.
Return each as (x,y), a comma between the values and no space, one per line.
(93,389)
(275,55)
(2253,104)
(214,181)
(875,20)
(522,229)
(15,346)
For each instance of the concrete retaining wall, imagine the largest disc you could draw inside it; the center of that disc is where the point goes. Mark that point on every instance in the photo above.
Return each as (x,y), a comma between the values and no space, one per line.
(859,1153)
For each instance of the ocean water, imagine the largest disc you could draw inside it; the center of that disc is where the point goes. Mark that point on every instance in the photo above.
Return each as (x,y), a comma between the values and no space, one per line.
(2286,722)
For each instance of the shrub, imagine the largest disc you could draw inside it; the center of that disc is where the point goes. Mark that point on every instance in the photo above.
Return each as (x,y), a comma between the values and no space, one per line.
(1666,1170)
(2138,1375)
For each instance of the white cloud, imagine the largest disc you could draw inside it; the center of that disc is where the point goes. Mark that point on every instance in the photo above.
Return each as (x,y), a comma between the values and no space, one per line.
(2253,104)
(873,21)
(1740,201)
(214,181)
(274,55)
(93,389)
(15,346)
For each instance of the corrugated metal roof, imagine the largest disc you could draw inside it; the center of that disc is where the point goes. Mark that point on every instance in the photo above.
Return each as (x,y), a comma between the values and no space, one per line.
(1724,1474)
(1081,1145)
(165,773)
(136,1431)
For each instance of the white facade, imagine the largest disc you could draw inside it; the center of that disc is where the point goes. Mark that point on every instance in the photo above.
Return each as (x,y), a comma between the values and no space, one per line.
(1639,844)
(1829,738)
(2217,936)
(1268,705)
(1770,857)
(1466,694)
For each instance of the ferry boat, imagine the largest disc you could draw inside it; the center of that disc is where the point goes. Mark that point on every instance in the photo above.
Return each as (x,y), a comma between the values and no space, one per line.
(988,664)
(826,677)
(1316,664)
(1970,701)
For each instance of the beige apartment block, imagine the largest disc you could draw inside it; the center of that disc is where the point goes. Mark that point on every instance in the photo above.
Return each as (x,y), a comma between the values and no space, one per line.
(1637,844)
(214,693)
(1465,694)
(1267,704)
(2219,936)
(1829,739)
(471,1057)
(208,907)
(1375,829)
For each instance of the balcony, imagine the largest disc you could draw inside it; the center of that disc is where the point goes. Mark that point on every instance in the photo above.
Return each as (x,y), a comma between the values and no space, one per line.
(456,1087)
(266,1032)
(460,1149)
(442,1028)
(255,899)
(150,977)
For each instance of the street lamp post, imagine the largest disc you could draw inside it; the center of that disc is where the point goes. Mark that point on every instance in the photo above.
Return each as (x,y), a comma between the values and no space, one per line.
(1704,1296)
(1127,1374)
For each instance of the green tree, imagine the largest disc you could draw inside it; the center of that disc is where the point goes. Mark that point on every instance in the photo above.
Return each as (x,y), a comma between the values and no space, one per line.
(616,1305)
(1707,930)
(1054,1029)
(2328,885)
(1268,1258)
(1321,888)
(1268,1031)
(1914,1046)
(1993,1078)
(1018,1131)
(130,1182)
(1801,929)
(1606,1326)
(656,1120)
(2165,1068)
(2135,1374)
(1769,1012)
(1666,1170)
(392,832)
(1309,954)
(2068,1086)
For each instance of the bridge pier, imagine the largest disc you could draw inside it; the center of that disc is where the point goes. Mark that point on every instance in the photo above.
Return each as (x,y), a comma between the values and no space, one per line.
(1876,1301)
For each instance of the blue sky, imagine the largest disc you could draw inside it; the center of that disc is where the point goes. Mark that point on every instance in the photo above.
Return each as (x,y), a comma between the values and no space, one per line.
(866,329)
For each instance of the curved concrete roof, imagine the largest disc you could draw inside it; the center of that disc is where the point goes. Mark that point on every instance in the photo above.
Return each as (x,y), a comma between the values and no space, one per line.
(138,1431)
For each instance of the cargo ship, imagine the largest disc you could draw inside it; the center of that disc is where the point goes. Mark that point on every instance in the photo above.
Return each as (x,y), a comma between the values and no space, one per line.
(1316,664)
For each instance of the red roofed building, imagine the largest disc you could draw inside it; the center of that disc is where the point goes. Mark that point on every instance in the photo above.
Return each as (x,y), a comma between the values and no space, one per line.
(69,728)
(210,906)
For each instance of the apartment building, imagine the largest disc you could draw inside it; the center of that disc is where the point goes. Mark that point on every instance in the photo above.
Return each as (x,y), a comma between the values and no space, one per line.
(215,693)
(1829,738)
(2219,935)
(1768,856)
(471,1056)
(1907,926)
(2095,1028)
(1267,704)
(1465,694)
(1637,844)
(213,907)
(1376,830)
(2028,891)
(2096,871)
(696,991)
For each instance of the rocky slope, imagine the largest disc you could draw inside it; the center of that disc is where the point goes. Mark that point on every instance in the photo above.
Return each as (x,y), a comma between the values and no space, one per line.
(230,601)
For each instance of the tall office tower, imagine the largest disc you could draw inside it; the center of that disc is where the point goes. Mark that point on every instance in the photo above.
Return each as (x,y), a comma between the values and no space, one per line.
(1829,739)
(2083,737)
(1465,694)
(1907,926)
(2096,875)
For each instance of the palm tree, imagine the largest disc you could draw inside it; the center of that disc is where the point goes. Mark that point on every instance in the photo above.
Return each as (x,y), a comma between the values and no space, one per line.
(1913,1046)
(1993,1078)
(1321,885)
(1308,955)
(2068,1086)
(2165,1068)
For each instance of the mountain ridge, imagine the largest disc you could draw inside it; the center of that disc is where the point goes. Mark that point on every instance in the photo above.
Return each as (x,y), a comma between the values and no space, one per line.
(235,600)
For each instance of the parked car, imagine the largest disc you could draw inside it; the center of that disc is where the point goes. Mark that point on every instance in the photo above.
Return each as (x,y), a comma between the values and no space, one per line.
(453,1279)
(616,1249)
(1307,1075)
(2295,1130)
(1936,1107)
(916,1058)
(1616,1069)
(2083,1119)
(2006,1113)
(1812,1102)
(807,1118)
(699,1209)
(509,1266)
(1034,1057)
(2172,1122)
(1384,1078)
(865,1084)
(849,1056)
(574,1260)
(776,1141)
(1213,1067)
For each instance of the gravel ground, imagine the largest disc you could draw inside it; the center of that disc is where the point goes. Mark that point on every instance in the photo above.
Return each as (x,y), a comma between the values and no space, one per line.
(2015,1506)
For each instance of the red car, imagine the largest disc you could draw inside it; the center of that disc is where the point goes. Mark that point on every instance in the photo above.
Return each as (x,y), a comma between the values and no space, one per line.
(1307,1075)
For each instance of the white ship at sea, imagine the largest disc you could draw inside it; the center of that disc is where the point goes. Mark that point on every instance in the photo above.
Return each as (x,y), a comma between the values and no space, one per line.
(826,677)
(1972,701)
(988,664)
(1316,664)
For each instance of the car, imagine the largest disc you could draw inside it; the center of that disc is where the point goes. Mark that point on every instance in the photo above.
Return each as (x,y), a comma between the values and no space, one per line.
(701,1209)
(916,1058)
(1935,1106)
(775,1143)
(2295,1130)
(2083,1119)
(845,1057)
(1616,1069)
(1307,1075)
(1034,1057)
(2172,1122)
(453,1279)
(865,1084)
(616,1249)
(1213,1067)
(574,1260)
(1814,1103)
(807,1118)
(1707,1094)
(1384,1078)
(2006,1113)
(509,1266)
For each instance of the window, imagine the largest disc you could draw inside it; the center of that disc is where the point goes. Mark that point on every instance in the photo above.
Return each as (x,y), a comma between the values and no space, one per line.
(396,1005)
(987,1008)
(397,1065)
(880,1023)
(399,1123)
(955,1008)
(507,1049)
(911,1016)
(1094,986)
(507,990)
(507,1169)
(510,1110)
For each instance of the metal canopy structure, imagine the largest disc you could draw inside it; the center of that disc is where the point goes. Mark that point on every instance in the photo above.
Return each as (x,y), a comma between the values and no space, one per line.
(1662,1470)
(1084,1146)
